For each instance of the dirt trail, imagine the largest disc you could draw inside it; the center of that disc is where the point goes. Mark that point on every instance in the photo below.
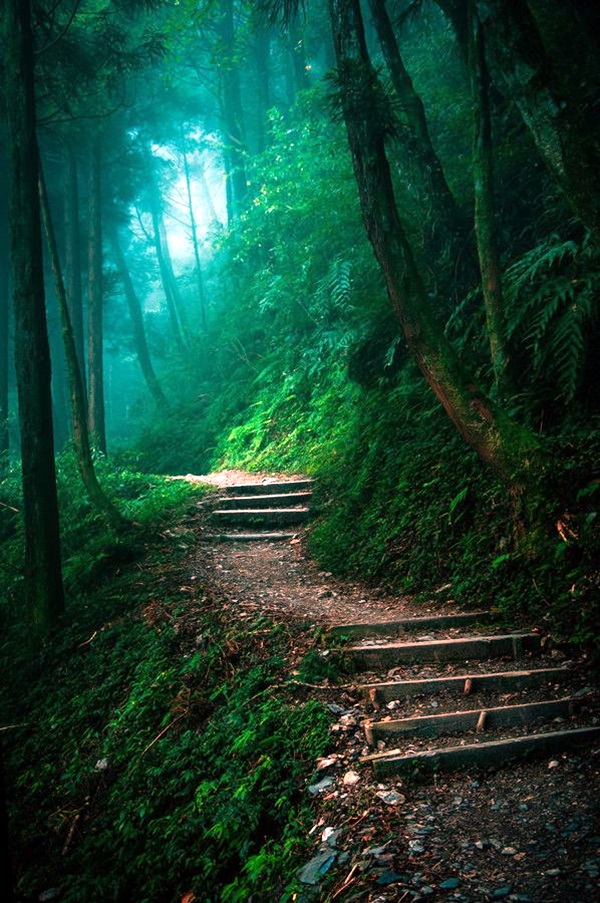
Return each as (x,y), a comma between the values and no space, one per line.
(528,834)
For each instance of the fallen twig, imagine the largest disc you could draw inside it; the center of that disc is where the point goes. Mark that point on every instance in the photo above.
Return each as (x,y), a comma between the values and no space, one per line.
(86,642)
(163,732)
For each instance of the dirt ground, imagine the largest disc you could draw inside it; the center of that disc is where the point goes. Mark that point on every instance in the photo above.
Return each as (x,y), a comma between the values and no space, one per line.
(526,832)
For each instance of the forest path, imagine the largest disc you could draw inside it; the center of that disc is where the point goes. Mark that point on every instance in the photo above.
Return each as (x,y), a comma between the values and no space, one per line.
(528,832)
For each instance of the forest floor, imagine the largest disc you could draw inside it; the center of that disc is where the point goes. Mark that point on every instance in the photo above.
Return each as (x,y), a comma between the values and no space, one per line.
(528,832)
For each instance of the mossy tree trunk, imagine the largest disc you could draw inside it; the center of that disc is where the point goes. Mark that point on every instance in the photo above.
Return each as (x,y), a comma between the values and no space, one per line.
(43,576)
(510,449)
(485,204)
(449,225)
(558,111)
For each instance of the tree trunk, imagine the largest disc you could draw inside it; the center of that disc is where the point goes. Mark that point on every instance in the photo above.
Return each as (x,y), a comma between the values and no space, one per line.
(81,437)
(199,279)
(562,127)
(485,205)
(4,363)
(43,577)
(449,223)
(262,53)
(96,411)
(6,878)
(73,256)
(232,113)
(500,442)
(137,320)
(166,270)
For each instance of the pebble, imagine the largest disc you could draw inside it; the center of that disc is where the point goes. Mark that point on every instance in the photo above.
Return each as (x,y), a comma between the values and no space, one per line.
(389,877)
(508,851)
(502,892)
(391,797)
(322,785)
(351,778)
(415,847)
(449,884)
(313,871)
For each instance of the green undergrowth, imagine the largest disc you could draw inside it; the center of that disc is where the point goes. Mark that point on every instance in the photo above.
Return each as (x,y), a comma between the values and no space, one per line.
(157,749)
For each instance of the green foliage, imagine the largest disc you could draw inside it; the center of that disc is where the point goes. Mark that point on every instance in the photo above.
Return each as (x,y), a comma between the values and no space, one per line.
(151,756)
(552,297)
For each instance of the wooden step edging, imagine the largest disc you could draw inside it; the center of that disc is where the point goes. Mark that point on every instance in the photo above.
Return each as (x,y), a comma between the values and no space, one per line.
(262,515)
(276,488)
(479,719)
(432,622)
(479,647)
(241,502)
(496,680)
(255,537)
(481,755)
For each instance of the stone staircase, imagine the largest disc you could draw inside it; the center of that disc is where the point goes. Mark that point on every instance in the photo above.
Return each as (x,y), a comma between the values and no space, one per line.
(259,511)
(479,699)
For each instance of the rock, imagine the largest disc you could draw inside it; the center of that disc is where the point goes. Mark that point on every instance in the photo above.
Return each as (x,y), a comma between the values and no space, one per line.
(326,762)
(390,797)
(51,894)
(313,871)
(351,778)
(330,836)
(426,891)
(323,784)
(552,873)
(501,892)
(449,884)
(389,877)
(553,763)
(415,847)
(508,851)
(347,722)
(335,708)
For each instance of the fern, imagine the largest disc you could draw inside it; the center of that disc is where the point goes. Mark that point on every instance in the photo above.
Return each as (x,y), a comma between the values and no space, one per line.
(551,306)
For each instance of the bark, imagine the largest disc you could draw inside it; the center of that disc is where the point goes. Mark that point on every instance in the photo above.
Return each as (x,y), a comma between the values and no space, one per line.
(562,127)
(81,437)
(232,112)
(485,205)
(137,320)
(446,214)
(43,577)
(500,442)
(73,255)
(199,277)
(4,364)
(96,410)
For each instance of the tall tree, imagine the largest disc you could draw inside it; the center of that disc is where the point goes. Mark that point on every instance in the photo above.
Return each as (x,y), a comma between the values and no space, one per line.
(447,223)
(73,263)
(43,577)
(499,441)
(558,112)
(485,204)
(4,356)
(232,112)
(96,409)
(137,320)
(81,436)
(194,234)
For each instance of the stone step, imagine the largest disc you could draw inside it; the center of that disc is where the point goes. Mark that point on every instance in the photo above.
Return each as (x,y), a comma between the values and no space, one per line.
(404,625)
(265,501)
(277,487)
(387,655)
(502,681)
(265,516)
(480,719)
(481,755)
(265,536)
